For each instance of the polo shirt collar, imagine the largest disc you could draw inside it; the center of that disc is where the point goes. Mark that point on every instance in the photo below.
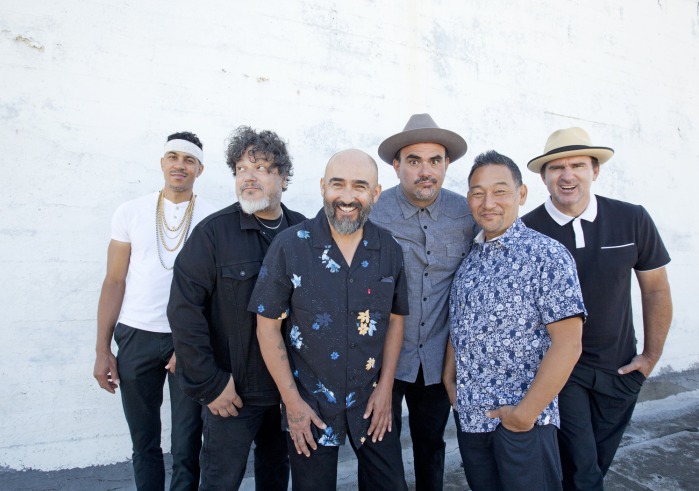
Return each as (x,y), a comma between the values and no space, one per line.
(409,209)
(561,219)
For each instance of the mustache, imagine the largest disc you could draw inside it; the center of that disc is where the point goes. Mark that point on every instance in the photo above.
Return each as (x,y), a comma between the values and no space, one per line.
(433,180)
(251,186)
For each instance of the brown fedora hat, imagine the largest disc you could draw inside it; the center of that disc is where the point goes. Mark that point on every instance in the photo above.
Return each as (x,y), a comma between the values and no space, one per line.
(421,128)
(569,142)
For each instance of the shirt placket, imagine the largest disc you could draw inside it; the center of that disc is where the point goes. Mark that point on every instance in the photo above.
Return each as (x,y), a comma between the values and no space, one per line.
(426,224)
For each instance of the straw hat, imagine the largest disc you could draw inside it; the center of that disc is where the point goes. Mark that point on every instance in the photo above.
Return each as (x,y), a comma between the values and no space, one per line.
(569,142)
(421,128)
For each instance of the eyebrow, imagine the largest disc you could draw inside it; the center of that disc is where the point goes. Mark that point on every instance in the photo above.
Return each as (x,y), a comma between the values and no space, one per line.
(355,181)
(413,156)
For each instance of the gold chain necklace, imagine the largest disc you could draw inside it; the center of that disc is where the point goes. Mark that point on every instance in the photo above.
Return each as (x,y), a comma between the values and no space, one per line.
(161,225)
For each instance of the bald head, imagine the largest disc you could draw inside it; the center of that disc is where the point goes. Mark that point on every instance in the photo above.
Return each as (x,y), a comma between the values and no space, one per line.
(349,188)
(355,160)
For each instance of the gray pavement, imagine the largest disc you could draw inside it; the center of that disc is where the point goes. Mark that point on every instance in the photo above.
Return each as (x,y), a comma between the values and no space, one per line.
(660,451)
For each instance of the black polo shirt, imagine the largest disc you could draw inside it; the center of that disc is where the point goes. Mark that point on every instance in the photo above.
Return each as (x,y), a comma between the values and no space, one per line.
(622,237)
(338,317)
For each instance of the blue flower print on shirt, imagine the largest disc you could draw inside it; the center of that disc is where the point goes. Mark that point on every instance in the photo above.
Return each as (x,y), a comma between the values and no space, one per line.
(365,264)
(296,374)
(350,400)
(334,355)
(366,242)
(303,234)
(263,272)
(329,438)
(260,308)
(296,281)
(329,263)
(329,395)
(323,319)
(295,336)
(315,326)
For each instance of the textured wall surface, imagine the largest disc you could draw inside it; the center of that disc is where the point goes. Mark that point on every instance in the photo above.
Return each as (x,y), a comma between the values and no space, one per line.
(90,89)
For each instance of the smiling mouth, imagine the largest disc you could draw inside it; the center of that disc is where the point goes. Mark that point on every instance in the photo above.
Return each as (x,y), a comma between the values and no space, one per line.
(568,188)
(346,208)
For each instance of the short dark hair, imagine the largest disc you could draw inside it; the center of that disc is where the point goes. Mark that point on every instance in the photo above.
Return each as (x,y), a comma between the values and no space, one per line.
(187,135)
(491,157)
(262,145)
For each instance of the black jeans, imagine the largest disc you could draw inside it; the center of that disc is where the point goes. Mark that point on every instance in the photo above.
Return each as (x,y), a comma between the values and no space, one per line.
(504,460)
(595,408)
(141,364)
(379,466)
(227,443)
(428,413)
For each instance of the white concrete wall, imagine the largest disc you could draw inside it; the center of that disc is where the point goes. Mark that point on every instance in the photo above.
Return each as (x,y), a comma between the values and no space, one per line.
(90,89)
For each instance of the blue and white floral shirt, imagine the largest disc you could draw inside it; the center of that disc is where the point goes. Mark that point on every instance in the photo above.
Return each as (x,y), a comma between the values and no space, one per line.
(337,318)
(504,294)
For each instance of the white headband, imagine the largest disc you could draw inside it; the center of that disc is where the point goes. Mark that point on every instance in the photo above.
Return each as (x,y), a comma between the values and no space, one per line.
(186,147)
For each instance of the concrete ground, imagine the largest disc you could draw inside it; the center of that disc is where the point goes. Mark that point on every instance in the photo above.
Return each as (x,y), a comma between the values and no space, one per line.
(660,451)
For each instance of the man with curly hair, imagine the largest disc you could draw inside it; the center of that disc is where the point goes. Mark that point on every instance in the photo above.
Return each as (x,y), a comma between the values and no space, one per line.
(214,334)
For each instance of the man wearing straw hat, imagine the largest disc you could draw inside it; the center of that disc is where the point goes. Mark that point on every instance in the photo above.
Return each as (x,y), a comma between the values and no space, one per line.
(608,239)
(132,307)
(435,227)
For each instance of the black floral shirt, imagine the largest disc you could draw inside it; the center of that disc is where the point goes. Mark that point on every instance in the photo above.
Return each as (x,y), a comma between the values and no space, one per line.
(504,294)
(337,318)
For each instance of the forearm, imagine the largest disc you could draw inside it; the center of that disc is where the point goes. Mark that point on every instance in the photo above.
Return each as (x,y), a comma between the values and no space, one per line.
(657,316)
(391,349)
(555,368)
(449,368)
(273,352)
(108,309)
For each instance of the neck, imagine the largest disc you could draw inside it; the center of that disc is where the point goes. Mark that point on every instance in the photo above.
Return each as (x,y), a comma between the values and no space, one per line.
(177,196)
(575,209)
(347,243)
(269,213)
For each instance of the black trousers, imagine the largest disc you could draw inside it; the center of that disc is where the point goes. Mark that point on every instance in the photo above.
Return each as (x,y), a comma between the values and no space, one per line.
(504,460)
(227,443)
(141,361)
(379,466)
(596,407)
(428,413)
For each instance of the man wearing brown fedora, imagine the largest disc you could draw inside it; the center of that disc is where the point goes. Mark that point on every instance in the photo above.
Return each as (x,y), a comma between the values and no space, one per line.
(434,227)
(608,239)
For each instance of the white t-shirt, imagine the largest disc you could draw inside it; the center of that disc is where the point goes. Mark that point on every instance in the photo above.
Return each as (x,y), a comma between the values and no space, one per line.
(147,282)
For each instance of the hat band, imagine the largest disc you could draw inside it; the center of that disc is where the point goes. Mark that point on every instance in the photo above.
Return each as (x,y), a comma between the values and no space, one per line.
(185,146)
(570,148)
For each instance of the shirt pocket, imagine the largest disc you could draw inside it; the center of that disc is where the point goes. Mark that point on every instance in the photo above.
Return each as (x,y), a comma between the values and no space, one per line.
(238,282)
(382,296)
(457,249)
(617,260)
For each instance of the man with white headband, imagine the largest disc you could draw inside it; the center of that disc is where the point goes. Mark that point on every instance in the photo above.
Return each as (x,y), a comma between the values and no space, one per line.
(132,310)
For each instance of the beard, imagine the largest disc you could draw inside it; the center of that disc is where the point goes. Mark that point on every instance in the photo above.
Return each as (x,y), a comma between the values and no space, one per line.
(251,206)
(346,225)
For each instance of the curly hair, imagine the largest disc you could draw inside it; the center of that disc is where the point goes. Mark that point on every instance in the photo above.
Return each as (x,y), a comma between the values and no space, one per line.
(263,145)
(186,135)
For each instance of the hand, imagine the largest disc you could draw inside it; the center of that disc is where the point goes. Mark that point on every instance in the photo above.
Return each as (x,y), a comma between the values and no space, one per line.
(510,418)
(228,402)
(299,416)
(106,371)
(642,363)
(171,364)
(380,405)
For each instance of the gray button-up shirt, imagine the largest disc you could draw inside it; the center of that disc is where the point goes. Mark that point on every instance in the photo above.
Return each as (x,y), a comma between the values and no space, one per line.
(434,239)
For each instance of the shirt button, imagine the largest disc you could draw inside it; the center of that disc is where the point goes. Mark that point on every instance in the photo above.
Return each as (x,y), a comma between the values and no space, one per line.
(425,227)
(422,323)
(422,209)
(420,346)
(424,299)
(351,313)
(353,345)
(242,273)
(351,280)
(426,274)
(429,252)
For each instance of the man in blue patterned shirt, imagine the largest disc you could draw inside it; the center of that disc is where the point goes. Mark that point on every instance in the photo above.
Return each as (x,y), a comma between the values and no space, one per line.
(339,278)
(516,315)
